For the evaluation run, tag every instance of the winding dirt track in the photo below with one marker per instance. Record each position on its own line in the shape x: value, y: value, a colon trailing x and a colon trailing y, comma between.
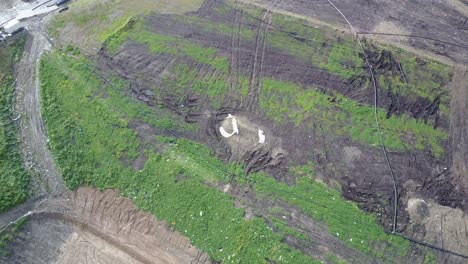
x: 33, y: 137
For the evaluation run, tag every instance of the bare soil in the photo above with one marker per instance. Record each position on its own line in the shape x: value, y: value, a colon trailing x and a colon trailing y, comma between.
x: 442, y: 20
x: 459, y: 124
x: 89, y: 226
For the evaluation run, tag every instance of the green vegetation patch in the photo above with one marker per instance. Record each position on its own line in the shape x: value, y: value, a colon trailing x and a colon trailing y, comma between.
x: 7, y: 235
x: 282, y: 101
x: 88, y: 22
x: 344, y: 219
x: 158, y: 43
x: 14, y: 180
x: 89, y: 136
x: 114, y: 40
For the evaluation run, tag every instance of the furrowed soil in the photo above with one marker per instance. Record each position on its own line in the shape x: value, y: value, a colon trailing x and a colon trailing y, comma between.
x: 444, y: 21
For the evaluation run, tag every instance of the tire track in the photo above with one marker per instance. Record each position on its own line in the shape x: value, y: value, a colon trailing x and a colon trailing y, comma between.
x: 258, y: 59
x: 233, y: 80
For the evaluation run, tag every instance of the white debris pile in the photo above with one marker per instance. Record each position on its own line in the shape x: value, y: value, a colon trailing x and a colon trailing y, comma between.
x: 261, y: 136
x: 235, y: 129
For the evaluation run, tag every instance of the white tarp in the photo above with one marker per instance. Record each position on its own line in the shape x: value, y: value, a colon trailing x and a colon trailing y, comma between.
x: 235, y: 129
x: 261, y: 136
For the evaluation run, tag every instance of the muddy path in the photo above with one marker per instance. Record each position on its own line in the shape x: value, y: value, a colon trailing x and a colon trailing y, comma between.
x: 37, y: 156
x: 459, y: 124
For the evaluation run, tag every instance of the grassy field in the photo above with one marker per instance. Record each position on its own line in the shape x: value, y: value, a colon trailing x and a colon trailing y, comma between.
x: 284, y: 102
x: 14, y: 180
x: 87, y: 121
x: 89, y: 137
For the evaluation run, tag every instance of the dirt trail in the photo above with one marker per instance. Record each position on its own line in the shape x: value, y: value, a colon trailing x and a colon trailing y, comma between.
x: 459, y: 125
x: 33, y: 136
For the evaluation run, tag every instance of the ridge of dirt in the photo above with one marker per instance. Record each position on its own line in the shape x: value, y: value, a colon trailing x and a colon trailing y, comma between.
x: 103, y: 225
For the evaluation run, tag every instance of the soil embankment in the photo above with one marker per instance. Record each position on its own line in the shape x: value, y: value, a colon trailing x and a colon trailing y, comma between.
x: 89, y: 226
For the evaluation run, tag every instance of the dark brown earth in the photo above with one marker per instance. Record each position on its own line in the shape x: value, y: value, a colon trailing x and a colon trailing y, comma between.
x: 359, y: 169
x: 442, y: 20
x: 276, y: 64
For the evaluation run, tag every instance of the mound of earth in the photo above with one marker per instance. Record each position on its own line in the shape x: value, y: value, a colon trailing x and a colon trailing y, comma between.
x: 90, y: 226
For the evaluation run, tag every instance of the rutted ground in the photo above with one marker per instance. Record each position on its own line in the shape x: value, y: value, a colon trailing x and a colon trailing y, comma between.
x: 442, y: 20
x: 192, y: 74
x: 180, y: 63
x: 33, y: 137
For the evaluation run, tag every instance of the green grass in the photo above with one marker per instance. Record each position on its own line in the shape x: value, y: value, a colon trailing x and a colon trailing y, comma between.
x: 158, y: 43
x: 14, y: 180
x: 283, y: 227
x: 430, y: 259
x: 10, y: 52
x: 7, y: 235
x: 89, y: 135
x: 344, y: 219
x: 88, y: 22
x: 136, y: 30
x: 282, y: 102
x: 116, y: 38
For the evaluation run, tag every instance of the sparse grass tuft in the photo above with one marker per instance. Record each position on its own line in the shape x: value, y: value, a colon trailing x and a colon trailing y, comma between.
x: 7, y: 235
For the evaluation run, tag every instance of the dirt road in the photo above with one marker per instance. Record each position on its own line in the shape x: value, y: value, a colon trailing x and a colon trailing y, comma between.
x: 33, y: 136
x: 459, y: 124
